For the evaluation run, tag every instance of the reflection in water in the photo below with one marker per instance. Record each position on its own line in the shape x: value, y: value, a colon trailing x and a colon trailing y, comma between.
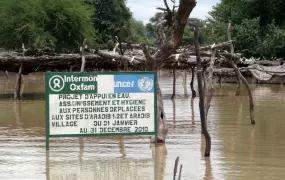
x: 6, y: 85
x: 239, y: 150
x: 81, y: 149
x: 47, y: 166
x: 17, y: 111
x: 159, y: 157
x: 122, y: 147
x: 174, y: 110
x: 152, y: 167
x: 192, y: 111
x: 208, y: 167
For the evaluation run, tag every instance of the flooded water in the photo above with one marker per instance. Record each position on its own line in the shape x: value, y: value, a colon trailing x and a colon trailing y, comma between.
x: 239, y: 150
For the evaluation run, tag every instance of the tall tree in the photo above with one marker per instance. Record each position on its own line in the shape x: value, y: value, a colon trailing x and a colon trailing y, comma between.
x: 256, y: 24
x: 111, y: 18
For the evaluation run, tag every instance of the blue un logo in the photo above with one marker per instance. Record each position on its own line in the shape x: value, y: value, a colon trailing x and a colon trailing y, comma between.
x: 145, y: 84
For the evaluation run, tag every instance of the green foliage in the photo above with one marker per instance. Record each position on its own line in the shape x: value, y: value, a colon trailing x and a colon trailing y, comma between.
x: 258, y: 26
x: 111, y: 18
x: 137, y: 32
x: 188, y: 36
x: 38, y: 23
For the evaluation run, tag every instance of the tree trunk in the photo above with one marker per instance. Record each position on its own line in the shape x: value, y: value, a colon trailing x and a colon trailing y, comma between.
x: 209, y: 84
x: 192, y: 83
x: 201, y: 97
x: 18, y: 83
x: 174, y: 83
x: 161, y: 118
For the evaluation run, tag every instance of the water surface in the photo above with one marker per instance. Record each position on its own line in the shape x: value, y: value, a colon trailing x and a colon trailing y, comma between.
x: 239, y: 150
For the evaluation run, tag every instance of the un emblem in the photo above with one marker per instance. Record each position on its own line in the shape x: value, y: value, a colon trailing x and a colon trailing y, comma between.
x: 145, y: 84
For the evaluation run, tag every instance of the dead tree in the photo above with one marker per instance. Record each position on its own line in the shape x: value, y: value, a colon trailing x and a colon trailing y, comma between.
x: 167, y: 46
x: 232, y: 60
x: 192, y: 82
x: 17, y: 90
x: 174, y: 82
x: 232, y: 52
x: 201, y: 96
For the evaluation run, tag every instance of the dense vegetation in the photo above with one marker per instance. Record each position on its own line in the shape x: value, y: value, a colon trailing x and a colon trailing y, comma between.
x: 258, y: 26
x: 63, y: 24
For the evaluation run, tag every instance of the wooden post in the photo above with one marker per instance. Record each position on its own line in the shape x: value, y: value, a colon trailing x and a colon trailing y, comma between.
x: 174, y: 111
x: 17, y: 90
x: 192, y: 82
x: 83, y: 56
x: 7, y: 74
x: 201, y: 96
x: 126, y: 65
x: 174, y: 83
x: 82, y: 69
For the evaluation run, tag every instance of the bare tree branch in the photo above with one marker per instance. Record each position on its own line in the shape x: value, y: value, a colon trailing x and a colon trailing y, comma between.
x: 180, y: 20
x: 167, y: 7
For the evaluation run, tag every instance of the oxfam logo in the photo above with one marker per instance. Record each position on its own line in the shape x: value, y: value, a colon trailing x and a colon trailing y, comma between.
x: 56, y: 83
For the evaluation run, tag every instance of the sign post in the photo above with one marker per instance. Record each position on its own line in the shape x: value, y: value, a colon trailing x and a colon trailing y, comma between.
x: 100, y: 104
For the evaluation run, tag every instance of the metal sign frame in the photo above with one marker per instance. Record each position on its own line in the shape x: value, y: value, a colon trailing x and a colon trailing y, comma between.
x: 49, y: 75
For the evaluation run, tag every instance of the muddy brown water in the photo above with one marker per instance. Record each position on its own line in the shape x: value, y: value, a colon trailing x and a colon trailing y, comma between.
x: 239, y: 150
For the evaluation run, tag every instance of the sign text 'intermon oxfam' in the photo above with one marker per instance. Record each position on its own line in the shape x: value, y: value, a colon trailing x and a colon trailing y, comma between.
x: 89, y: 104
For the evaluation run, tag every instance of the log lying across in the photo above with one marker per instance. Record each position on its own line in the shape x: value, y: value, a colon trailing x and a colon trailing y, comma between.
x: 102, y: 60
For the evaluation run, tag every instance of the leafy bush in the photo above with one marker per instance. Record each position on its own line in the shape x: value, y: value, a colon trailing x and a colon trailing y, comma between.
x: 41, y: 23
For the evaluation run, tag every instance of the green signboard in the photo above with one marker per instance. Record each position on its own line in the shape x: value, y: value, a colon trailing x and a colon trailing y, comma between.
x: 100, y: 104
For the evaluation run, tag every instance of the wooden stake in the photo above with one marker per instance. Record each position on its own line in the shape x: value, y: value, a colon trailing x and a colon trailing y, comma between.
x: 192, y: 83
x: 7, y: 74
x: 174, y: 83
x: 83, y: 56
x: 17, y: 90
x: 175, y: 168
